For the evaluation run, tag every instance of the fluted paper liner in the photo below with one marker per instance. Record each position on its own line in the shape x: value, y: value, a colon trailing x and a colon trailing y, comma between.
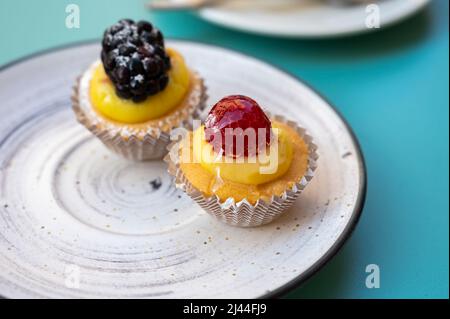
x: 149, y: 142
x: 243, y: 213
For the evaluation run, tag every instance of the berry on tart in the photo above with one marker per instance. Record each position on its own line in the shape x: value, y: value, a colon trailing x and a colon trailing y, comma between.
x: 138, y: 79
x: 138, y: 92
x: 135, y: 60
x: 223, y: 144
x: 238, y: 112
x: 249, y: 174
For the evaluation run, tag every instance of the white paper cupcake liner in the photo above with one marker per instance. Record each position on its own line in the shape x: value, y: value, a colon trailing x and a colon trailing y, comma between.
x: 243, y: 213
x: 148, y: 143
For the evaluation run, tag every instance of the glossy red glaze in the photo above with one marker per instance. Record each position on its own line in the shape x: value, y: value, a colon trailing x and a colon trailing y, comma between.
x: 234, y: 112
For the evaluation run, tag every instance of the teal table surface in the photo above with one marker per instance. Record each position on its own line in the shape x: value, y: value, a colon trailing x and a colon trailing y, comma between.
x: 391, y: 86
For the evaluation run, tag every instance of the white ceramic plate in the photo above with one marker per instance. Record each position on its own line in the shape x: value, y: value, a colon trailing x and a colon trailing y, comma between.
x: 70, y: 209
x: 308, y: 18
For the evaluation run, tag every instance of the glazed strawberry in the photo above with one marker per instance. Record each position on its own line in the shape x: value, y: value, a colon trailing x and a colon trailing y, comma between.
x: 232, y: 112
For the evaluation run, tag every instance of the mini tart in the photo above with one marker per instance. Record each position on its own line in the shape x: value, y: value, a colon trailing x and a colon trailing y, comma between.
x: 248, y: 205
x: 137, y: 141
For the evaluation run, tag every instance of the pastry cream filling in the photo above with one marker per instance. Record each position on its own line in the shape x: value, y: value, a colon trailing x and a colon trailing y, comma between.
x: 105, y: 100
x: 253, y: 170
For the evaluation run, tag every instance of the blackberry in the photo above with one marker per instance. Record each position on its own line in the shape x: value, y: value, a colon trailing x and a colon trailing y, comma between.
x: 135, y: 60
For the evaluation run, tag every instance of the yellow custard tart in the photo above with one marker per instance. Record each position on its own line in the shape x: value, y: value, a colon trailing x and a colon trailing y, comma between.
x: 240, y: 177
x: 138, y: 92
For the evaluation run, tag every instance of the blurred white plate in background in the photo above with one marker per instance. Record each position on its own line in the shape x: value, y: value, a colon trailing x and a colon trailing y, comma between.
x: 308, y: 18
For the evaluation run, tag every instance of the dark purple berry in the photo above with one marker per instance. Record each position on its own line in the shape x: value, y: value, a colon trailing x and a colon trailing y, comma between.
x: 122, y: 74
x: 125, y: 49
x: 136, y: 66
x: 151, y: 66
x: 135, y: 60
x: 153, y: 86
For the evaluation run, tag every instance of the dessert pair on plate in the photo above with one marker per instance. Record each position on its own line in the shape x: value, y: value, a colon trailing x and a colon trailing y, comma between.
x: 242, y: 166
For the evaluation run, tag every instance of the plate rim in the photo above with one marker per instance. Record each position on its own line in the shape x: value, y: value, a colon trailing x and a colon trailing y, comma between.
x: 297, y: 281
x: 205, y: 16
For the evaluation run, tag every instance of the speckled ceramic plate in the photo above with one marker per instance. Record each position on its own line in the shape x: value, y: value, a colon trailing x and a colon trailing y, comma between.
x: 77, y: 221
x: 309, y: 18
